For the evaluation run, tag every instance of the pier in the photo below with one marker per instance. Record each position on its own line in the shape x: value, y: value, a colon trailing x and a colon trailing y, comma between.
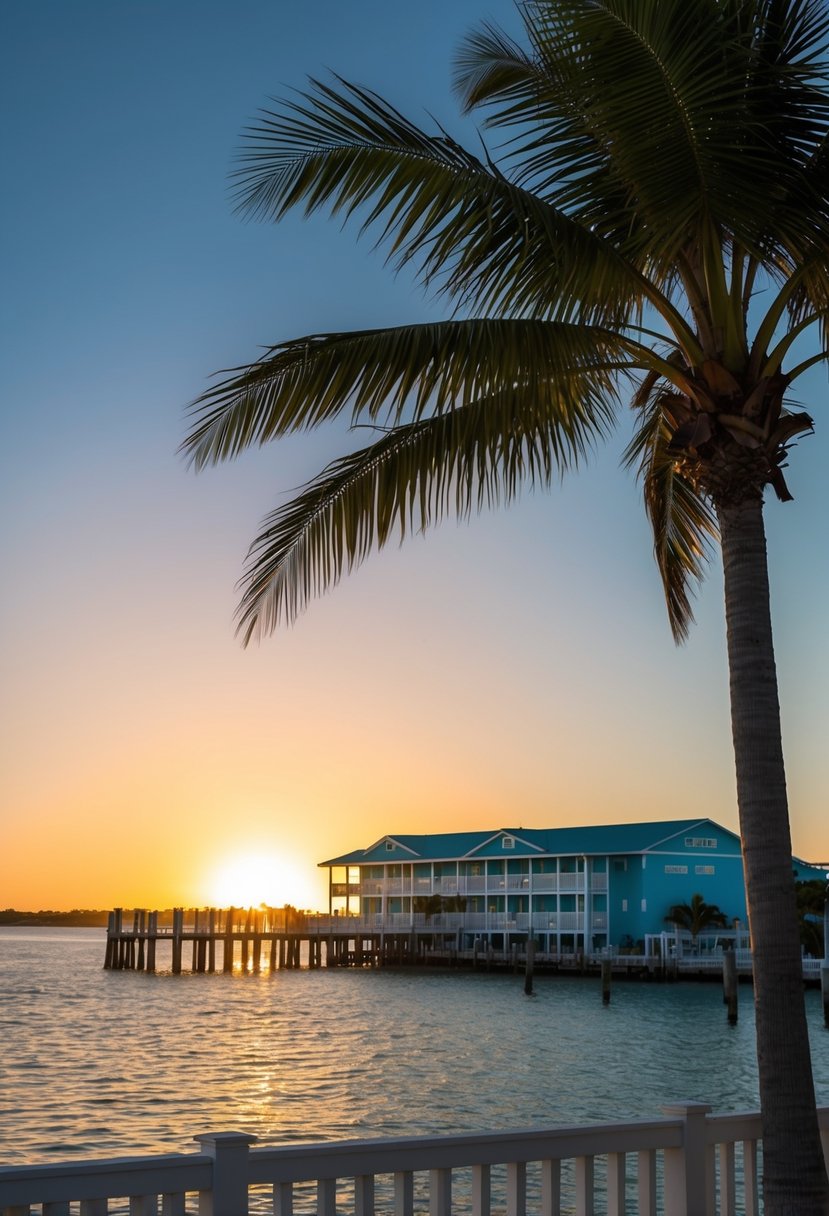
x: 253, y: 940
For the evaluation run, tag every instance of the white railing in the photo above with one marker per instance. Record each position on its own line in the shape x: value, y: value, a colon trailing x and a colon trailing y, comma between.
x: 688, y: 1163
x: 571, y: 881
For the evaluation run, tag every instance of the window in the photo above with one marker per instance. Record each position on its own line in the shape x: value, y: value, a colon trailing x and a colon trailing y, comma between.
x: 679, y: 869
x: 620, y: 864
x: 508, y: 842
x: 389, y: 846
x: 704, y: 870
x: 624, y: 905
x: 700, y: 842
x: 644, y: 905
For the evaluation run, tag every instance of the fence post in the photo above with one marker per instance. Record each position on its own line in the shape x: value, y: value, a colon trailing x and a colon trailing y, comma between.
x: 688, y: 1168
x: 230, y: 1153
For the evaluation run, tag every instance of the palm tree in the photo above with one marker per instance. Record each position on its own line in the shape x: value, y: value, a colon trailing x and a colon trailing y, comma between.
x: 652, y: 228
x: 696, y: 917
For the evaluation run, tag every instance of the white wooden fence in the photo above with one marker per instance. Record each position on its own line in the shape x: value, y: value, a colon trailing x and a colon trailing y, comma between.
x: 688, y: 1163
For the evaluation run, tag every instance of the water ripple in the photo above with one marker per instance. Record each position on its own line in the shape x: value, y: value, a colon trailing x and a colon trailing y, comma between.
x: 328, y: 1054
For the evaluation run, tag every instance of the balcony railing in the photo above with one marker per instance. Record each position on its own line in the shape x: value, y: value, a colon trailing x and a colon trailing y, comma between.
x: 475, y: 884
x: 688, y: 1162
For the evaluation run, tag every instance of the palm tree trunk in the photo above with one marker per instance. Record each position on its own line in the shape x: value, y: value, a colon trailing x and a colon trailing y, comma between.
x: 794, y: 1175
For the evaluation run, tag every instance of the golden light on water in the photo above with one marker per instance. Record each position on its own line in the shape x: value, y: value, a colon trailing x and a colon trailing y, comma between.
x: 254, y: 877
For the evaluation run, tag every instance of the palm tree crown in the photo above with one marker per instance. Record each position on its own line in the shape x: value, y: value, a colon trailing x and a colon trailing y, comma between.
x: 696, y: 916
x: 662, y: 165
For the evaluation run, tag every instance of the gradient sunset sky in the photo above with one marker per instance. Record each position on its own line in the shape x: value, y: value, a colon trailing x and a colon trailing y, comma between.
x: 514, y: 671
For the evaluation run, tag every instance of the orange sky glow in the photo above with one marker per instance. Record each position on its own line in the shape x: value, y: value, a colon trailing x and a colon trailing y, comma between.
x: 514, y: 671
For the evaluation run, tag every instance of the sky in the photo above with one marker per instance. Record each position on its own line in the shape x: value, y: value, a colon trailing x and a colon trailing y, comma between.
x: 516, y: 670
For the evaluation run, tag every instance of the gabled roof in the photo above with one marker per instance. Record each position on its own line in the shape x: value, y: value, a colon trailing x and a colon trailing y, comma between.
x: 617, y: 839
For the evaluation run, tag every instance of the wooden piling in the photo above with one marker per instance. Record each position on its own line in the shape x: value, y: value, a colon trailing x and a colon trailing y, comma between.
x: 110, y: 946
x: 257, y: 942
x: 178, y: 927
x: 195, y: 964
x: 153, y: 934
x: 606, y: 979
x: 211, y: 940
x: 729, y: 974
x: 528, y: 967
x: 227, y: 951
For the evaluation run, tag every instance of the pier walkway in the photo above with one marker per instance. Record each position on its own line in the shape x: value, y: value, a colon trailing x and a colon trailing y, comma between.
x: 267, y: 939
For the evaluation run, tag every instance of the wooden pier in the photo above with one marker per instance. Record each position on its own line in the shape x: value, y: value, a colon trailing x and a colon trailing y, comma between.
x: 232, y: 940
x: 252, y: 940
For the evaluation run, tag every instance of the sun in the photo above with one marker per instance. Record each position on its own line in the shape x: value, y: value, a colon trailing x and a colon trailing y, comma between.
x: 246, y: 880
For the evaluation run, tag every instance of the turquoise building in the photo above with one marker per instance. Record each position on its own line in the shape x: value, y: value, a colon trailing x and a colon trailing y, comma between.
x: 573, y: 889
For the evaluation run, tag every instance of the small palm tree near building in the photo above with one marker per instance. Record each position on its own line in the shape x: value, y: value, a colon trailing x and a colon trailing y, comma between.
x: 697, y: 916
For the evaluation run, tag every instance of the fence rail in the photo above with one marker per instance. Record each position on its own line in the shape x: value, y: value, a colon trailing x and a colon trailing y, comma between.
x: 688, y: 1163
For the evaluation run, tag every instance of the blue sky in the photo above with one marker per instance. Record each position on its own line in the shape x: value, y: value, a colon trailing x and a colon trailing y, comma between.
x: 516, y: 670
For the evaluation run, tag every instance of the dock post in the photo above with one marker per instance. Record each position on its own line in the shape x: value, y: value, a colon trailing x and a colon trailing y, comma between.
x: 110, y: 942
x: 152, y: 930
x: 178, y: 925
x: 528, y: 968
x: 196, y: 926
x: 118, y: 943
x: 729, y: 977
x: 257, y: 943
x: 211, y: 941
x: 606, y: 979
x: 227, y: 950
x: 142, y: 930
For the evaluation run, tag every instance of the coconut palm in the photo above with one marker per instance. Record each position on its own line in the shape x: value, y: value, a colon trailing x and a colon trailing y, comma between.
x: 651, y: 228
x: 696, y: 917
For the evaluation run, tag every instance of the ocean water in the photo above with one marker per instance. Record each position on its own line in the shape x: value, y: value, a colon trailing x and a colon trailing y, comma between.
x: 101, y: 1063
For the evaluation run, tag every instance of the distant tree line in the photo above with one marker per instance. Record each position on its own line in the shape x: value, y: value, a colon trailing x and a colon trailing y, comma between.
x: 84, y: 917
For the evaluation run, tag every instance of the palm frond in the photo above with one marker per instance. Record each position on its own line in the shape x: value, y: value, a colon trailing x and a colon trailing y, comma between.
x: 390, y: 375
x: 683, y: 522
x: 646, y: 119
x: 466, y: 227
x: 473, y: 457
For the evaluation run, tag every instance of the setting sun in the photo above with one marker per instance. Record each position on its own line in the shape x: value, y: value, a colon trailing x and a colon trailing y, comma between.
x: 246, y: 880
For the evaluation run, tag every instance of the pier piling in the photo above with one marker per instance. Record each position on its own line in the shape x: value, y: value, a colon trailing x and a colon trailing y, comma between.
x: 729, y: 975
x: 606, y: 978
x: 528, y: 967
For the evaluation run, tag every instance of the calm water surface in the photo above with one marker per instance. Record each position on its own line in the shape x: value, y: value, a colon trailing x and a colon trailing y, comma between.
x: 97, y: 1063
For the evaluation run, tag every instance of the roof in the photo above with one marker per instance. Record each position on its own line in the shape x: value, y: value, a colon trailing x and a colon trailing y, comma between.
x: 611, y: 839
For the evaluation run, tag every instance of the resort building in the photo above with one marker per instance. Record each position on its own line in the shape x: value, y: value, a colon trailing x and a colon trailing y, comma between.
x: 572, y: 889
